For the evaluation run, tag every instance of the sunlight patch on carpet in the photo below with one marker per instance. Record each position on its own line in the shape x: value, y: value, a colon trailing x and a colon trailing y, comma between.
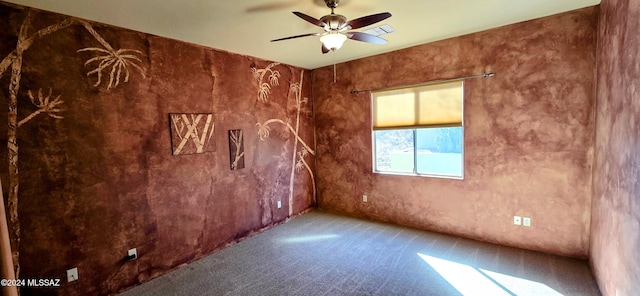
x: 520, y: 286
x: 471, y: 281
x: 309, y: 238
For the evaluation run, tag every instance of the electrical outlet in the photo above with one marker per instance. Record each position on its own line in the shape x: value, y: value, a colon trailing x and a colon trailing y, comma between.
x: 364, y: 198
x: 517, y: 220
x: 72, y: 274
x: 526, y: 221
x: 133, y: 254
x: 279, y: 204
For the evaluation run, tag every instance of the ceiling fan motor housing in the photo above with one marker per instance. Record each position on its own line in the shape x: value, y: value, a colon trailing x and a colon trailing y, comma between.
x: 334, y: 22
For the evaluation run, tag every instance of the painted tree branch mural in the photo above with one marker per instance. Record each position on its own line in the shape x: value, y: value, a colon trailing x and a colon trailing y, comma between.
x: 298, y: 156
x: 45, y: 105
x: 119, y: 61
x: 265, y: 88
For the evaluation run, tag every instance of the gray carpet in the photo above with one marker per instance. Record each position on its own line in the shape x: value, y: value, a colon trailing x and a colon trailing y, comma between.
x: 326, y: 254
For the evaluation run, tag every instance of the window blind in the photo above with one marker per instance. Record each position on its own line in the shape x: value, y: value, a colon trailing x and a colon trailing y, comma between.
x: 433, y: 105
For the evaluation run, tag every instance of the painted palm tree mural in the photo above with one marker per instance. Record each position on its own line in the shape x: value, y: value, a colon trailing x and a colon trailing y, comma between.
x: 300, y: 147
x: 111, y: 66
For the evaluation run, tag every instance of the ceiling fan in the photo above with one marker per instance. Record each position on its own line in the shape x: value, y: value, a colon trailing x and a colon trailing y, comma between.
x: 337, y: 28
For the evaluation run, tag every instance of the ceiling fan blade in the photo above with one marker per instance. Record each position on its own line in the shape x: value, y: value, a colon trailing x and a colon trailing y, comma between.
x: 367, y: 20
x: 324, y: 49
x: 297, y: 36
x: 310, y: 19
x: 364, y: 37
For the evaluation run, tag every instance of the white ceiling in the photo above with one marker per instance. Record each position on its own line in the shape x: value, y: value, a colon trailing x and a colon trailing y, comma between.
x: 247, y: 26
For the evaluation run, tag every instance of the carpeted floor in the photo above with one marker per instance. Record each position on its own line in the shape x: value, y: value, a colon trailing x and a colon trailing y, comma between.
x: 327, y: 254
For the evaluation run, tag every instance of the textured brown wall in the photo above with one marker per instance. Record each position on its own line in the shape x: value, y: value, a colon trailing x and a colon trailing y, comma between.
x: 528, y: 135
x: 615, y: 226
x: 103, y: 179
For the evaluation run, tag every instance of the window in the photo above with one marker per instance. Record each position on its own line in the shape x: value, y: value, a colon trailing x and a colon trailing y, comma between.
x: 419, y: 130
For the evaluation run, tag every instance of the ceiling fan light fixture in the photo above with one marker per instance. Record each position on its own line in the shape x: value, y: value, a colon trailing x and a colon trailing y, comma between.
x: 337, y: 29
x: 333, y: 40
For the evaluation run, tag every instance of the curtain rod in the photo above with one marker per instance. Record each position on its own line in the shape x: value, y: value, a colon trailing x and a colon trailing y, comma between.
x: 483, y: 75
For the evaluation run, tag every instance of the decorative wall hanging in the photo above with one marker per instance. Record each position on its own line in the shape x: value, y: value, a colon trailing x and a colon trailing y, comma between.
x: 236, y: 149
x: 191, y: 133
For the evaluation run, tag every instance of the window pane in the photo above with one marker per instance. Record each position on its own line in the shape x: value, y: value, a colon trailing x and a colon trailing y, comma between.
x: 440, y: 151
x: 394, y: 150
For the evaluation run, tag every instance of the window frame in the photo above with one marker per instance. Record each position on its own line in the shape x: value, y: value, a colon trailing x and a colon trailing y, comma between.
x: 414, y: 129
